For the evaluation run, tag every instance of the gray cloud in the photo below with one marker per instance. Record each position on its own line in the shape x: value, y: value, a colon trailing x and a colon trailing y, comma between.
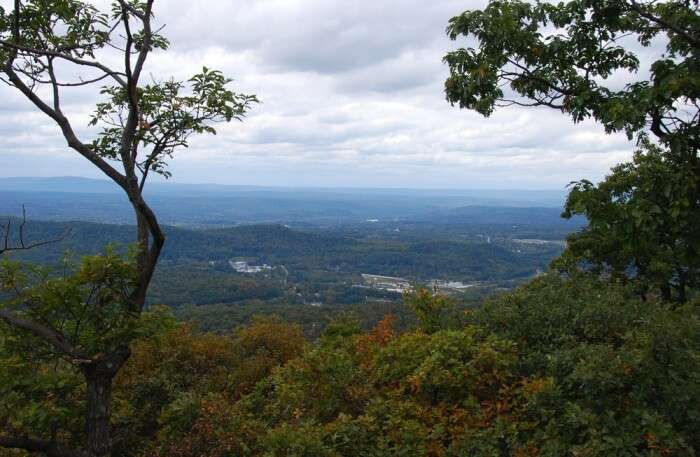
x: 352, y: 96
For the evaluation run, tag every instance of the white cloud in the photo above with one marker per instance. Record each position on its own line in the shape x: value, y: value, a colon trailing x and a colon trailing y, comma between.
x: 352, y: 95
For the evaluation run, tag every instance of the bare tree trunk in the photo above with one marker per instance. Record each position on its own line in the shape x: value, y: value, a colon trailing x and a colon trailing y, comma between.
x: 682, y: 281
x: 666, y: 292
x: 98, y: 442
x: 98, y: 378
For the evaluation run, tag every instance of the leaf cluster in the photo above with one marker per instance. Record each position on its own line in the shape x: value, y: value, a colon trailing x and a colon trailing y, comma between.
x: 170, y: 113
x: 87, y: 306
x: 642, y: 225
x: 562, y: 56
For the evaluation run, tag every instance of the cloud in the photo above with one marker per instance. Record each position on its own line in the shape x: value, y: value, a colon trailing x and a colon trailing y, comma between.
x: 352, y: 96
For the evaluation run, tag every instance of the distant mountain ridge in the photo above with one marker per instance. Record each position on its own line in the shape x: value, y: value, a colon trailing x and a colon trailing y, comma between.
x: 68, y: 184
x: 210, y: 205
x: 504, y: 215
x: 486, y: 197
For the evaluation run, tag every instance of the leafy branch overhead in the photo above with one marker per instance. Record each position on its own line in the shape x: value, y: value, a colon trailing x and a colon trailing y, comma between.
x: 561, y: 56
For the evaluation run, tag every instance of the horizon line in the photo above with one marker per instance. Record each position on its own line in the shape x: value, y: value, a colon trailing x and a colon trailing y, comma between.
x: 287, y: 187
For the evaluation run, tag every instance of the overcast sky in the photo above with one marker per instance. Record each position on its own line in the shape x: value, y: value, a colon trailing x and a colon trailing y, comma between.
x: 352, y: 96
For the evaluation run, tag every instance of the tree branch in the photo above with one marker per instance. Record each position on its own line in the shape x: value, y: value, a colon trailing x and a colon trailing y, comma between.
x: 49, y: 448
x: 82, y: 82
x: 133, y: 76
x: 117, y: 76
x: 7, y: 246
x: 130, y: 9
x: 66, y: 128
x: 54, y: 86
x: 47, y: 334
x: 685, y: 34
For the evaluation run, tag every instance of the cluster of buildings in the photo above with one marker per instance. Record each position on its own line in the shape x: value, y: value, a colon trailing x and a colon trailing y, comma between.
x: 241, y: 266
x: 401, y: 285
x: 389, y: 283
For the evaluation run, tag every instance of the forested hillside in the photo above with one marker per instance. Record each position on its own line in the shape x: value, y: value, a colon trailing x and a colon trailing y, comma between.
x: 461, y: 252
x: 320, y: 266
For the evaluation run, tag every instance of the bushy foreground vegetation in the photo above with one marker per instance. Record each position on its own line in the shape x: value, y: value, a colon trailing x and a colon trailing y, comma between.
x: 561, y: 366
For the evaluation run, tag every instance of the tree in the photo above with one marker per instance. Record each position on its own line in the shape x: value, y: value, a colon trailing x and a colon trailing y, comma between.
x: 562, y: 56
x: 140, y: 127
x: 620, y: 369
x: 642, y: 225
x: 434, y: 311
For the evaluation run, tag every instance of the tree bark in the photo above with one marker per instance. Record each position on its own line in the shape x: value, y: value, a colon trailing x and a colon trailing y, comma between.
x: 97, y: 423
x: 682, y: 281
x: 666, y: 292
x: 98, y: 378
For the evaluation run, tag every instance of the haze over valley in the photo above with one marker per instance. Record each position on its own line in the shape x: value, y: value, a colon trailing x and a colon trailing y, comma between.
x: 319, y: 247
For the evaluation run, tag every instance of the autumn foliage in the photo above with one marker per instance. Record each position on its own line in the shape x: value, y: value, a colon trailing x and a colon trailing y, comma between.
x: 561, y: 366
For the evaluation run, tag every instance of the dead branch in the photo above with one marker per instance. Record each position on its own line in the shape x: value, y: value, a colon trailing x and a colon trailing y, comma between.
x: 21, y: 244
